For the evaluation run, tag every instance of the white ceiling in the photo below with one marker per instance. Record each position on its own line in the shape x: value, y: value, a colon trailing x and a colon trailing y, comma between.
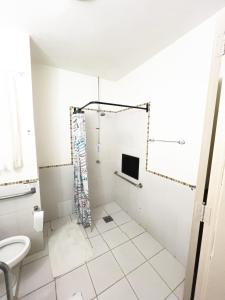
x: 108, y: 38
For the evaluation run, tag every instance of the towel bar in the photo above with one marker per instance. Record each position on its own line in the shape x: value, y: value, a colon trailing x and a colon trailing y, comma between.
x: 180, y: 142
x: 32, y: 191
x: 138, y: 185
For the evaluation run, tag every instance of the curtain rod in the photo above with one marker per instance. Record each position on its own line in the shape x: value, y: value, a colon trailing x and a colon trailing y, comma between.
x: 112, y: 104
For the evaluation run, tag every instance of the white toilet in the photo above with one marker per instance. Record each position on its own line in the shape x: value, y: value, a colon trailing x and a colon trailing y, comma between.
x: 12, y: 252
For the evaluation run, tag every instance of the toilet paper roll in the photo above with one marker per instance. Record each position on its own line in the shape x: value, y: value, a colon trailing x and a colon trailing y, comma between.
x: 38, y: 220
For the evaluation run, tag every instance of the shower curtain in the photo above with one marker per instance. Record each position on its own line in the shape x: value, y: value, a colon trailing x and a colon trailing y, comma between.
x: 82, y: 204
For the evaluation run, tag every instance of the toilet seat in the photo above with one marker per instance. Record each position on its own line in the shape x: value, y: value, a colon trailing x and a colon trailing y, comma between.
x: 14, y: 249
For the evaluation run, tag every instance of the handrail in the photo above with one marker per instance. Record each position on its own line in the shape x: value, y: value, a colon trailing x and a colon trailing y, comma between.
x: 138, y: 185
x: 181, y: 142
x: 8, y: 286
x: 32, y: 191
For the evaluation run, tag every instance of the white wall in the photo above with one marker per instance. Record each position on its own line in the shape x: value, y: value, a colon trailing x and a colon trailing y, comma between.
x: 176, y: 83
x: 55, y: 90
x: 16, y: 216
x: 15, y: 59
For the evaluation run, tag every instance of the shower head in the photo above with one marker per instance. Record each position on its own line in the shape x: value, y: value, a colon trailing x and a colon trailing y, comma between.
x: 102, y: 114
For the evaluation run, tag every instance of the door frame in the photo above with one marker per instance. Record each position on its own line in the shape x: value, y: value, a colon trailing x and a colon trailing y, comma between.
x: 194, y: 273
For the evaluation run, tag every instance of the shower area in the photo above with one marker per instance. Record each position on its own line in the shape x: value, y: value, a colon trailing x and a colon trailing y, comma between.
x: 114, y: 234
x: 117, y: 167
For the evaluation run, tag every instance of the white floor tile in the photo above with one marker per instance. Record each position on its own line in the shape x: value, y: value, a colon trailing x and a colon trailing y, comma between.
x: 98, y: 213
x: 128, y: 257
x: 34, y: 275
x: 111, y: 207
x: 179, y: 291
x: 171, y: 297
x: 99, y: 246
x: 75, y: 281
x: 119, y: 291
x: 147, y: 245
x: 114, y: 237
x: 104, y: 272
x: 45, y: 293
x: 102, y: 226
x: 91, y: 231
x: 169, y: 268
x: 132, y: 229
x: 147, y: 284
x: 121, y: 217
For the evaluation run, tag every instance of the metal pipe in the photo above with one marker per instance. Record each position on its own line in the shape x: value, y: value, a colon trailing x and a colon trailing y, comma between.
x: 32, y: 191
x: 115, y: 104
x: 138, y: 185
x: 181, y: 142
x: 8, y: 286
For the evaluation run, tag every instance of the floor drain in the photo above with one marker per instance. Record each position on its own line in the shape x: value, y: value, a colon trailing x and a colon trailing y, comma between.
x: 108, y: 219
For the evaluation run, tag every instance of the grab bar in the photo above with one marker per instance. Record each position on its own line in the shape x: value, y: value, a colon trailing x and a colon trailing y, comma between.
x: 8, y: 286
x: 138, y: 185
x: 32, y: 191
x: 181, y: 142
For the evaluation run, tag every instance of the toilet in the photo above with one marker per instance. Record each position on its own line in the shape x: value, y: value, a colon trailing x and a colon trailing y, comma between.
x: 12, y: 252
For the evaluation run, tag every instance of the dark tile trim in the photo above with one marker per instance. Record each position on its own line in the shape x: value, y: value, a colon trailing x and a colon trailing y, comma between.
x: 55, y: 166
x: 173, y: 179
x: 26, y: 181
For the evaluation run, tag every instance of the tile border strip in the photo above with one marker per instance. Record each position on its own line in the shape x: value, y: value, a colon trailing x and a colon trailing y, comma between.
x: 192, y: 187
x: 55, y: 166
x: 26, y: 181
x: 147, y: 143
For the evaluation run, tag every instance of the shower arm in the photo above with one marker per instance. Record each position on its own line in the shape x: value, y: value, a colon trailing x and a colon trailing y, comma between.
x: 146, y: 108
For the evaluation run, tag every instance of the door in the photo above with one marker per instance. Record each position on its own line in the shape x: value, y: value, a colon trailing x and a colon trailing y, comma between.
x: 209, y: 175
x: 211, y: 274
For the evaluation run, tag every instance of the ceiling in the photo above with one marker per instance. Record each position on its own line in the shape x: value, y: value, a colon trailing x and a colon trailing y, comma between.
x: 107, y: 38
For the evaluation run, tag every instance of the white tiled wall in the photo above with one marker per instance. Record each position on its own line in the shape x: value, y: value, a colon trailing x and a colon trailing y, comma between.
x: 16, y: 216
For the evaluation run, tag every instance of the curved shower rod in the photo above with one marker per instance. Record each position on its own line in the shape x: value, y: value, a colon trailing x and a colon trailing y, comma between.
x: 146, y: 108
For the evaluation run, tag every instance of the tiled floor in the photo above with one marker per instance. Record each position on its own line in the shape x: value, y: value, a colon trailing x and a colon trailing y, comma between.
x: 128, y: 264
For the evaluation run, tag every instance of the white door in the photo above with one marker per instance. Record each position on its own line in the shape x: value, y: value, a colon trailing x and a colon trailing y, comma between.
x: 202, y: 276
x: 211, y: 274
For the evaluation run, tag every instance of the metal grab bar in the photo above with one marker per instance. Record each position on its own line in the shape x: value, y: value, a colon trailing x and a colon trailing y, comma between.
x: 32, y: 191
x: 8, y: 286
x: 181, y: 142
x: 138, y: 185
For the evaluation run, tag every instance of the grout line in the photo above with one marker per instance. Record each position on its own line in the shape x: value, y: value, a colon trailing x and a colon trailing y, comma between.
x: 160, y: 276
x: 91, y: 279
x: 44, y: 285
x: 177, y: 287
x: 36, y: 259
x: 111, y: 285
x: 124, y: 274
x: 100, y: 234
x: 56, y: 296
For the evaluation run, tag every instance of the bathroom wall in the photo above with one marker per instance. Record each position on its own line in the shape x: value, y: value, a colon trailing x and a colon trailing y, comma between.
x: 175, y: 81
x: 15, y: 61
x: 16, y: 216
x: 55, y: 90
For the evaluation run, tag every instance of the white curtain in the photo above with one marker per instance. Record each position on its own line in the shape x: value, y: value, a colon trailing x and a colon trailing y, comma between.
x: 10, y: 134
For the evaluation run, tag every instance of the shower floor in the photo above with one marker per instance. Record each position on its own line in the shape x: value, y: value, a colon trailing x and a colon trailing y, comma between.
x: 128, y: 264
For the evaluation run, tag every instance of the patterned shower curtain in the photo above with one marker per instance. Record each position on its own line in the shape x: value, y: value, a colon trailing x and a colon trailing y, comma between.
x: 82, y: 204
